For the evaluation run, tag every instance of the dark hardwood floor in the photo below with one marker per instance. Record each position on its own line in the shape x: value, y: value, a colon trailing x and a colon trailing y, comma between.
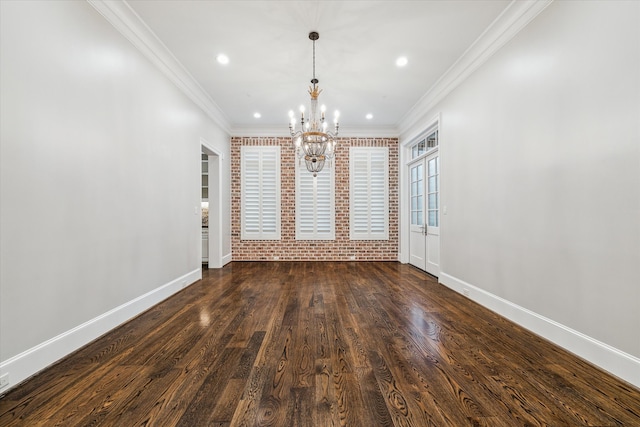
x: 320, y: 344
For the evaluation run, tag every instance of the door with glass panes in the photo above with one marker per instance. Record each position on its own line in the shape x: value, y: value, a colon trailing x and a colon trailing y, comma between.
x: 424, y: 245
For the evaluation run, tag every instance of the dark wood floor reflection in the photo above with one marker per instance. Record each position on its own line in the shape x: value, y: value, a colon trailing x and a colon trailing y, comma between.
x: 320, y: 344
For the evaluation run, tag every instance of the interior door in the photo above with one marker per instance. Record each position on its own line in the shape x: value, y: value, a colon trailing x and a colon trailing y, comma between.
x: 424, y: 245
x: 417, y: 238
x: 432, y: 227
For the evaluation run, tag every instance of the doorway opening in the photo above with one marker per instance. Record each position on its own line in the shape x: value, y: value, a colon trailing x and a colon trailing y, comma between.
x: 211, y: 205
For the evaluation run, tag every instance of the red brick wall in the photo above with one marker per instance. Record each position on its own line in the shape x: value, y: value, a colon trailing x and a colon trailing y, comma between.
x: 288, y: 248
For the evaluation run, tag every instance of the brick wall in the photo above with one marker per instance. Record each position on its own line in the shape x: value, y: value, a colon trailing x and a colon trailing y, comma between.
x: 288, y: 248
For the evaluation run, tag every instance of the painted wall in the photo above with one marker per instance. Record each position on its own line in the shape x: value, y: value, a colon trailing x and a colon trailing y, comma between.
x: 288, y: 248
x: 100, y: 173
x: 541, y: 172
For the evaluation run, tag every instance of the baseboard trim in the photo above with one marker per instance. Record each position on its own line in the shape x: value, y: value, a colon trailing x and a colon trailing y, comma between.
x: 617, y: 362
x: 32, y: 361
x: 226, y: 259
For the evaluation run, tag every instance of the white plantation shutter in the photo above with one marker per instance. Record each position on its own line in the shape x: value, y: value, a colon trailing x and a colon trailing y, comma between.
x: 315, y: 208
x: 260, y: 192
x: 369, y: 193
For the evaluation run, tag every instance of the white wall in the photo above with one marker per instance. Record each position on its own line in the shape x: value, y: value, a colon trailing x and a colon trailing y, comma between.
x: 541, y: 177
x: 100, y: 178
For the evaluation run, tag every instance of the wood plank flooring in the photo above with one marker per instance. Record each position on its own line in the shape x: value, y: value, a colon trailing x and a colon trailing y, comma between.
x: 320, y: 344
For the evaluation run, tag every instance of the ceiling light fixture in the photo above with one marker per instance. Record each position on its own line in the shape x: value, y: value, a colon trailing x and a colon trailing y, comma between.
x: 314, y: 142
x: 257, y: 115
x: 222, y: 59
x: 369, y: 116
x: 402, y: 61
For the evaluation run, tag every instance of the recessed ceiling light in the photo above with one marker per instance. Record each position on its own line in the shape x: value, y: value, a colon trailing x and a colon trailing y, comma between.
x: 369, y: 116
x: 257, y: 115
x: 402, y: 61
x: 222, y: 59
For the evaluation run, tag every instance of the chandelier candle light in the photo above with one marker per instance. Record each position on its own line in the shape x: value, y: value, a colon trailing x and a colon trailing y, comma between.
x: 313, y: 142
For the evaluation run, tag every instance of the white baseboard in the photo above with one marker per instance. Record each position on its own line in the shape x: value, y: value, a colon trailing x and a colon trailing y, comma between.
x: 617, y: 362
x: 30, y: 362
x: 226, y: 259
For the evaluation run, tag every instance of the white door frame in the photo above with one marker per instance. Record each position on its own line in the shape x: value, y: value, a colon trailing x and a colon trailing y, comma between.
x: 215, y: 205
x: 407, y: 140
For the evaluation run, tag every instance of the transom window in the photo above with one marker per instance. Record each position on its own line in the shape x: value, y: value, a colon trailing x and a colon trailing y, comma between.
x: 425, y: 144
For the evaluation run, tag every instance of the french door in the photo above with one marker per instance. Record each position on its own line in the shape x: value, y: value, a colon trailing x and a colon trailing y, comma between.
x: 424, y: 238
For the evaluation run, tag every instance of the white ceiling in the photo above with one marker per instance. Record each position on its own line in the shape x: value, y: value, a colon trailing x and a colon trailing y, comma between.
x: 271, y: 55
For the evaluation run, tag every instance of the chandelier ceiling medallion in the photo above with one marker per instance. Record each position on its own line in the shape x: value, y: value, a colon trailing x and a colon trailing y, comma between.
x: 313, y: 141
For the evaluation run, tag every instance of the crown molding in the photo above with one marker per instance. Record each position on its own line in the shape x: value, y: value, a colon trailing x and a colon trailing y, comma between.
x: 133, y: 28
x: 513, y: 19
x: 345, y: 132
x: 510, y: 22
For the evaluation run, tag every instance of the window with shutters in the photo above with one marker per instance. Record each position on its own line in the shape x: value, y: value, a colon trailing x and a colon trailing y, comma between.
x: 260, y: 169
x: 369, y: 193
x: 315, y: 208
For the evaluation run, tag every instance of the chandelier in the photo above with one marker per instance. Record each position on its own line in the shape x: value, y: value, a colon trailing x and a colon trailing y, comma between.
x: 313, y: 141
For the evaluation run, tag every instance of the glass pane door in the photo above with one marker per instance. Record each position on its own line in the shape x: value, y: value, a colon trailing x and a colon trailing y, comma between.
x: 417, y: 194
x: 433, y: 174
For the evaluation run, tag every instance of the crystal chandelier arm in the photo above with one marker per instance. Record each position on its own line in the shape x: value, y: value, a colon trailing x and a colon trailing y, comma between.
x: 292, y: 121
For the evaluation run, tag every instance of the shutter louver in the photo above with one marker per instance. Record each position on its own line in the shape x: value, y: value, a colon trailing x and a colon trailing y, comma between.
x: 260, y: 193
x: 315, y: 216
x: 369, y: 216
